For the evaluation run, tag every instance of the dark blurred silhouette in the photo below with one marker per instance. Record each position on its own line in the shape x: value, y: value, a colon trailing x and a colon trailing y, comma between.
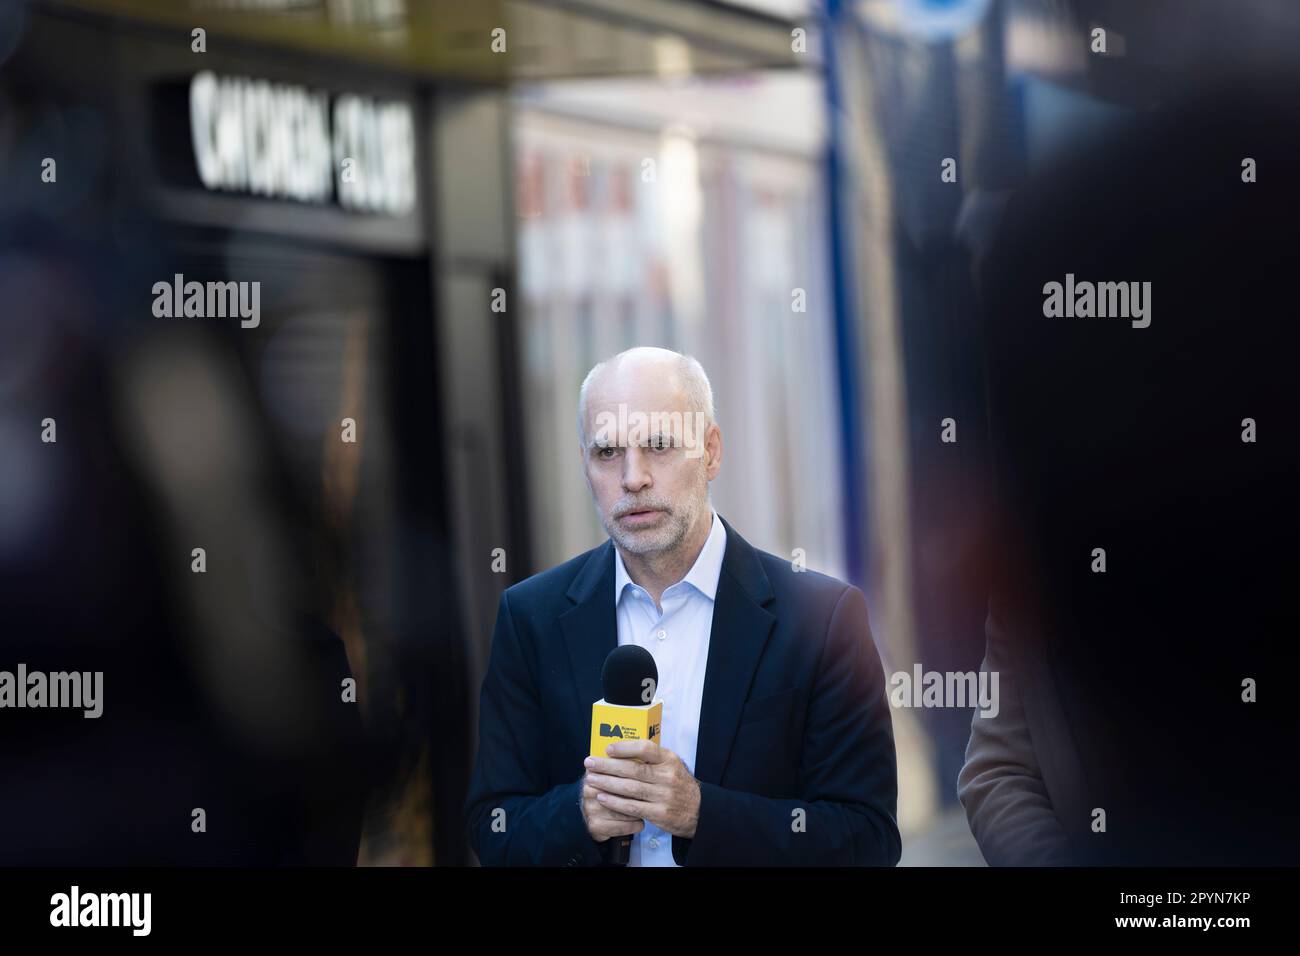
x: 1130, y: 439
x: 221, y: 690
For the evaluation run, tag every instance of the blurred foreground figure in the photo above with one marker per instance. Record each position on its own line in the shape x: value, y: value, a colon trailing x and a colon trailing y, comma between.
x: 222, y: 738
x: 1144, y: 442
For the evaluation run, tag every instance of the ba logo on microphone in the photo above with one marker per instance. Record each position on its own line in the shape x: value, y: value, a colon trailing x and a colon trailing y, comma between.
x: 654, y: 731
x: 612, y: 730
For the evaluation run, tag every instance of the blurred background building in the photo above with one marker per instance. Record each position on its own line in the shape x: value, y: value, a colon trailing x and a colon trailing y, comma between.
x: 538, y: 184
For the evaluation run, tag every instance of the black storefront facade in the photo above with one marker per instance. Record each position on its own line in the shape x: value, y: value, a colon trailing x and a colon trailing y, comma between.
x: 315, y: 179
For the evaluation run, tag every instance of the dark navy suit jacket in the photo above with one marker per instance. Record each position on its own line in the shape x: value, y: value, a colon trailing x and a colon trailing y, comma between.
x: 794, y: 717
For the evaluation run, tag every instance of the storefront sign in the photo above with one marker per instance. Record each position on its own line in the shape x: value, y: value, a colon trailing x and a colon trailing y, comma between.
x: 285, y: 141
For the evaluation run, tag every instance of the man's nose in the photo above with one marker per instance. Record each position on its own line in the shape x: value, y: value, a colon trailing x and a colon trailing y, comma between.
x: 636, y: 469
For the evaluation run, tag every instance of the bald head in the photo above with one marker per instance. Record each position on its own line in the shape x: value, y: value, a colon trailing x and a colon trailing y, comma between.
x: 646, y: 377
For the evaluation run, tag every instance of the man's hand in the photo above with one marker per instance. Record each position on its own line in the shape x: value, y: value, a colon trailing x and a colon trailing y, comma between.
x: 602, y: 822
x: 643, y: 780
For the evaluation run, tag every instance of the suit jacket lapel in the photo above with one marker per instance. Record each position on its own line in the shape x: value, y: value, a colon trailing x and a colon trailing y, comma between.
x: 741, y: 626
x: 590, y: 627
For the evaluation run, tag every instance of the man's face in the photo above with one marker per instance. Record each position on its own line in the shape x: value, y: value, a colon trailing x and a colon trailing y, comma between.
x: 648, y: 458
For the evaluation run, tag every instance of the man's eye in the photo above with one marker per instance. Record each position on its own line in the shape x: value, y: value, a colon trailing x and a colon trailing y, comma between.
x: 606, y: 453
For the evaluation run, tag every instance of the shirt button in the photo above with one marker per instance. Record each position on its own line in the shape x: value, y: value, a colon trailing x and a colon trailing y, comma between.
x: 661, y: 633
x: 654, y: 843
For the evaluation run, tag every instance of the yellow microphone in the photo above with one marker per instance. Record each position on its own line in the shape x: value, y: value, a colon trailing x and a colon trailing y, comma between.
x: 628, y: 711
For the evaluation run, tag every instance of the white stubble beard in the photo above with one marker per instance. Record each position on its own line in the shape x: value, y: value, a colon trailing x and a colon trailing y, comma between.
x: 659, y: 540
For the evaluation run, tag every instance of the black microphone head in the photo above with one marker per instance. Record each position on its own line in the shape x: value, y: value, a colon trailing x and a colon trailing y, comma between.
x: 629, y: 676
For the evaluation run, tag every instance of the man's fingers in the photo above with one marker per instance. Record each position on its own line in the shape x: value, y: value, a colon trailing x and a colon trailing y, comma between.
x: 619, y: 767
x: 646, y: 750
x: 619, y: 786
x: 619, y: 828
x: 602, y: 822
x: 635, y: 808
x: 594, y: 806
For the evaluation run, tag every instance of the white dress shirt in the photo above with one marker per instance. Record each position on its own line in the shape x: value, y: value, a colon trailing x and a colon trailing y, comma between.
x: 678, y: 639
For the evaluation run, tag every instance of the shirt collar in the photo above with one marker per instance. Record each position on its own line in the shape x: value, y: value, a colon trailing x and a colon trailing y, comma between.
x: 704, y: 573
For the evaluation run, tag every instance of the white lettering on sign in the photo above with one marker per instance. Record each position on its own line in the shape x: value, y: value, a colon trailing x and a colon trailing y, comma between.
x: 380, y: 138
x: 284, y: 142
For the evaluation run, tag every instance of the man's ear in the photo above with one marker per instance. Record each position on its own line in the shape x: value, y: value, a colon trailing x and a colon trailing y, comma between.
x: 713, y: 448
